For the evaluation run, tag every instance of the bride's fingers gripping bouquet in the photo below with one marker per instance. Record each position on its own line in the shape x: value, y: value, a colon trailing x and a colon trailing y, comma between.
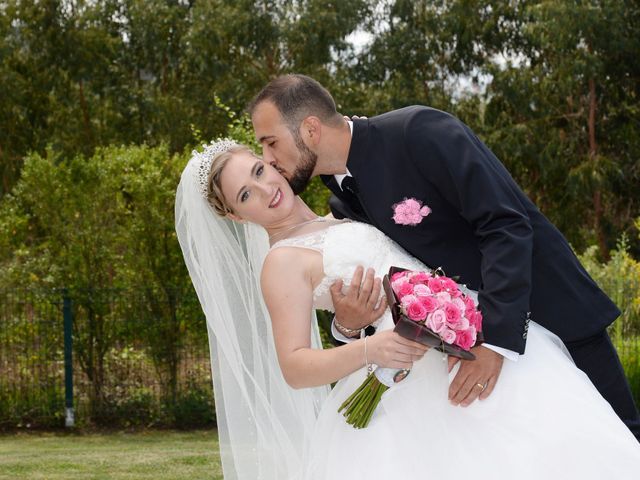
x: 393, y: 350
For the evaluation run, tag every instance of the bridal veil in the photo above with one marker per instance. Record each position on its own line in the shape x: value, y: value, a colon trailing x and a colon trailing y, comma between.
x: 263, y: 424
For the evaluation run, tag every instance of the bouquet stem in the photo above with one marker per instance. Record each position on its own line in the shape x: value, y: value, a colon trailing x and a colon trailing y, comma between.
x: 359, y: 407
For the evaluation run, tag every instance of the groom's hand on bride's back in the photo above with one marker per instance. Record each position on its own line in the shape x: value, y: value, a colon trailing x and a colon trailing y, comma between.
x: 360, y: 304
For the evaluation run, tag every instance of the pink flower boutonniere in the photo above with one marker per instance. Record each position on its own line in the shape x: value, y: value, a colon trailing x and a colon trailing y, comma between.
x: 409, y: 212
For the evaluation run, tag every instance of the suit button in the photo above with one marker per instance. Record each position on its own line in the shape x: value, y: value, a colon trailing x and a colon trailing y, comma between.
x: 524, y: 335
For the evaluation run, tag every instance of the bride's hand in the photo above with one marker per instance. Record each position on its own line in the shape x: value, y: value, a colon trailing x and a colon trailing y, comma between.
x: 388, y: 349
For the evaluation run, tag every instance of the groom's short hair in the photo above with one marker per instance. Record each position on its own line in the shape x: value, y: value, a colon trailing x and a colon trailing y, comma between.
x: 296, y: 97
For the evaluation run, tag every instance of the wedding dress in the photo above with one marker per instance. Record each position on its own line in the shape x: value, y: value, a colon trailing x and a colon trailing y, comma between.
x: 544, y: 419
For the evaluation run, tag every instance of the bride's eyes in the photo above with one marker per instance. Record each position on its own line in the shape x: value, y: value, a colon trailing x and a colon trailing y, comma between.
x: 259, y: 172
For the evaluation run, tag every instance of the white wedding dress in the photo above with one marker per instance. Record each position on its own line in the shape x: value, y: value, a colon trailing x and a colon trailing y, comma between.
x: 544, y: 420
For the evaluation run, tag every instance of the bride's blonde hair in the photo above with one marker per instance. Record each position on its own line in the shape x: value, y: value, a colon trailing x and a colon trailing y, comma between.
x: 214, y: 189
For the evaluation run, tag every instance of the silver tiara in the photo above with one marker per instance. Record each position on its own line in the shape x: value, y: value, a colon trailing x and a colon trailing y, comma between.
x: 204, y: 159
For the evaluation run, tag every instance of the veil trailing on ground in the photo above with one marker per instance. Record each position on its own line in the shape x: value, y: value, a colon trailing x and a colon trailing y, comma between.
x: 263, y: 424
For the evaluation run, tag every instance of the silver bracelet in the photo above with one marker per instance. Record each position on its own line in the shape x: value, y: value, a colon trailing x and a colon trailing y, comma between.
x: 366, y: 359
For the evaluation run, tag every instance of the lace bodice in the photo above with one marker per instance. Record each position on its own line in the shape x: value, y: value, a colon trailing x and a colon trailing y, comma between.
x: 344, y: 247
x: 312, y: 241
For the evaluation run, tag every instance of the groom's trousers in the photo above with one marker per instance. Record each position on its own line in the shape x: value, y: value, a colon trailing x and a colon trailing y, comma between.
x: 597, y: 357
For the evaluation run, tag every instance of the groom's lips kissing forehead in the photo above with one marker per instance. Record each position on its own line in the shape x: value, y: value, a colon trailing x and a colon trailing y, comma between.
x: 277, y: 198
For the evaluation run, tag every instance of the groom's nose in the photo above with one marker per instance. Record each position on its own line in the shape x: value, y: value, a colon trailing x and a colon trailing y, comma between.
x: 267, y: 156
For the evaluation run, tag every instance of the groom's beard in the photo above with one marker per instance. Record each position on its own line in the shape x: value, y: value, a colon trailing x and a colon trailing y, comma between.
x: 306, y: 164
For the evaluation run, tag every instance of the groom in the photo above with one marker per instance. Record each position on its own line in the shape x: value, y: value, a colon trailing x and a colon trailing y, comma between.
x: 479, y: 226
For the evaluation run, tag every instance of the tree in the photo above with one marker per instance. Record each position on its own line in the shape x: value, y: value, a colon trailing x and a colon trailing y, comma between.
x: 565, y: 117
x: 80, y: 75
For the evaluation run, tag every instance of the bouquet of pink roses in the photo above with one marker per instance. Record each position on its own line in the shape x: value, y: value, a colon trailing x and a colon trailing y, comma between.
x: 437, y: 303
x: 428, y: 308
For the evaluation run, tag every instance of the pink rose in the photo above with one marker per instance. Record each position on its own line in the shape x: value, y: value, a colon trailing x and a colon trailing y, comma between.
x: 469, y: 303
x: 429, y: 303
x: 448, y: 336
x: 420, y: 277
x: 476, y: 320
x: 424, y: 211
x: 398, y: 276
x: 453, y: 313
x: 448, y: 284
x: 421, y: 290
x: 435, y: 285
x: 461, y: 324
x: 405, y: 289
x: 408, y: 300
x: 465, y: 339
x: 437, y: 321
x: 459, y: 303
x: 442, y: 298
x: 417, y: 312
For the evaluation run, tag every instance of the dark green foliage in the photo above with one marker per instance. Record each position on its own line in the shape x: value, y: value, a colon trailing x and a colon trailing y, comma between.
x: 194, y: 408
x: 560, y: 106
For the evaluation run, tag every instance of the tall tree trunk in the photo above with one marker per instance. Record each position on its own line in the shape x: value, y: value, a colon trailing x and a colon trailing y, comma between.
x: 593, y: 151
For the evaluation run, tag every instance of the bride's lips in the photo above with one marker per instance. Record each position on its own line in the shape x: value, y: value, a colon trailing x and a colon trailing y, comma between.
x: 277, y: 198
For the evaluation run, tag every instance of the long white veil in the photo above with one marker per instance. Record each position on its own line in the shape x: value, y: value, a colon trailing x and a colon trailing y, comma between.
x: 263, y: 424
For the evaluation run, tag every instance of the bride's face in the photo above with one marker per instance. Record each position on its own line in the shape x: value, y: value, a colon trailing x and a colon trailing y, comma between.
x: 255, y: 190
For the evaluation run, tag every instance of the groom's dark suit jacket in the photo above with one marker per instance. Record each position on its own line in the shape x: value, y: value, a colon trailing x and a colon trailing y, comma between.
x: 482, y: 227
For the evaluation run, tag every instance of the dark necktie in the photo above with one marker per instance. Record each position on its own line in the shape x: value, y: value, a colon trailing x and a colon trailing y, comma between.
x: 350, y: 195
x: 349, y: 185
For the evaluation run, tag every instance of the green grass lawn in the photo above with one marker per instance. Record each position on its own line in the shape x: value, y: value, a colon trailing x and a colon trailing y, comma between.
x: 154, y: 455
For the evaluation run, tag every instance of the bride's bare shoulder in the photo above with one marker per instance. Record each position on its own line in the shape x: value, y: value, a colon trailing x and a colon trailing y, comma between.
x: 287, y: 263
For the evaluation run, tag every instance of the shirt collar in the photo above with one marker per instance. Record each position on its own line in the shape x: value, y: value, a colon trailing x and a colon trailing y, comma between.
x: 340, y: 177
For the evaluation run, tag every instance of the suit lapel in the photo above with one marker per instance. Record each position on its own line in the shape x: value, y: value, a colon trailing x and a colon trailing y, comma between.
x: 344, y: 202
x: 359, y: 164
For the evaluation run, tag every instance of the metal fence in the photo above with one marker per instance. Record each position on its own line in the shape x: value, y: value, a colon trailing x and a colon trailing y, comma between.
x: 131, y: 359
x: 136, y: 358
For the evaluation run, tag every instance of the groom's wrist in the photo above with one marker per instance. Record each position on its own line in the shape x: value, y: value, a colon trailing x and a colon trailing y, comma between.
x: 347, y: 332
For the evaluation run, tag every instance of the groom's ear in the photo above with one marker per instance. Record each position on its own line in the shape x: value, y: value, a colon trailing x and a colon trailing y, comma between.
x: 310, y: 129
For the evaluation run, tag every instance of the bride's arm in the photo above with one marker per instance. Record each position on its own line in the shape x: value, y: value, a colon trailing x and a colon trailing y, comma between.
x: 288, y: 293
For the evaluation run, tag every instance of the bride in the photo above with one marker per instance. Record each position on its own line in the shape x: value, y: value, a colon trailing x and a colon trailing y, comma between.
x: 277, y: 417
